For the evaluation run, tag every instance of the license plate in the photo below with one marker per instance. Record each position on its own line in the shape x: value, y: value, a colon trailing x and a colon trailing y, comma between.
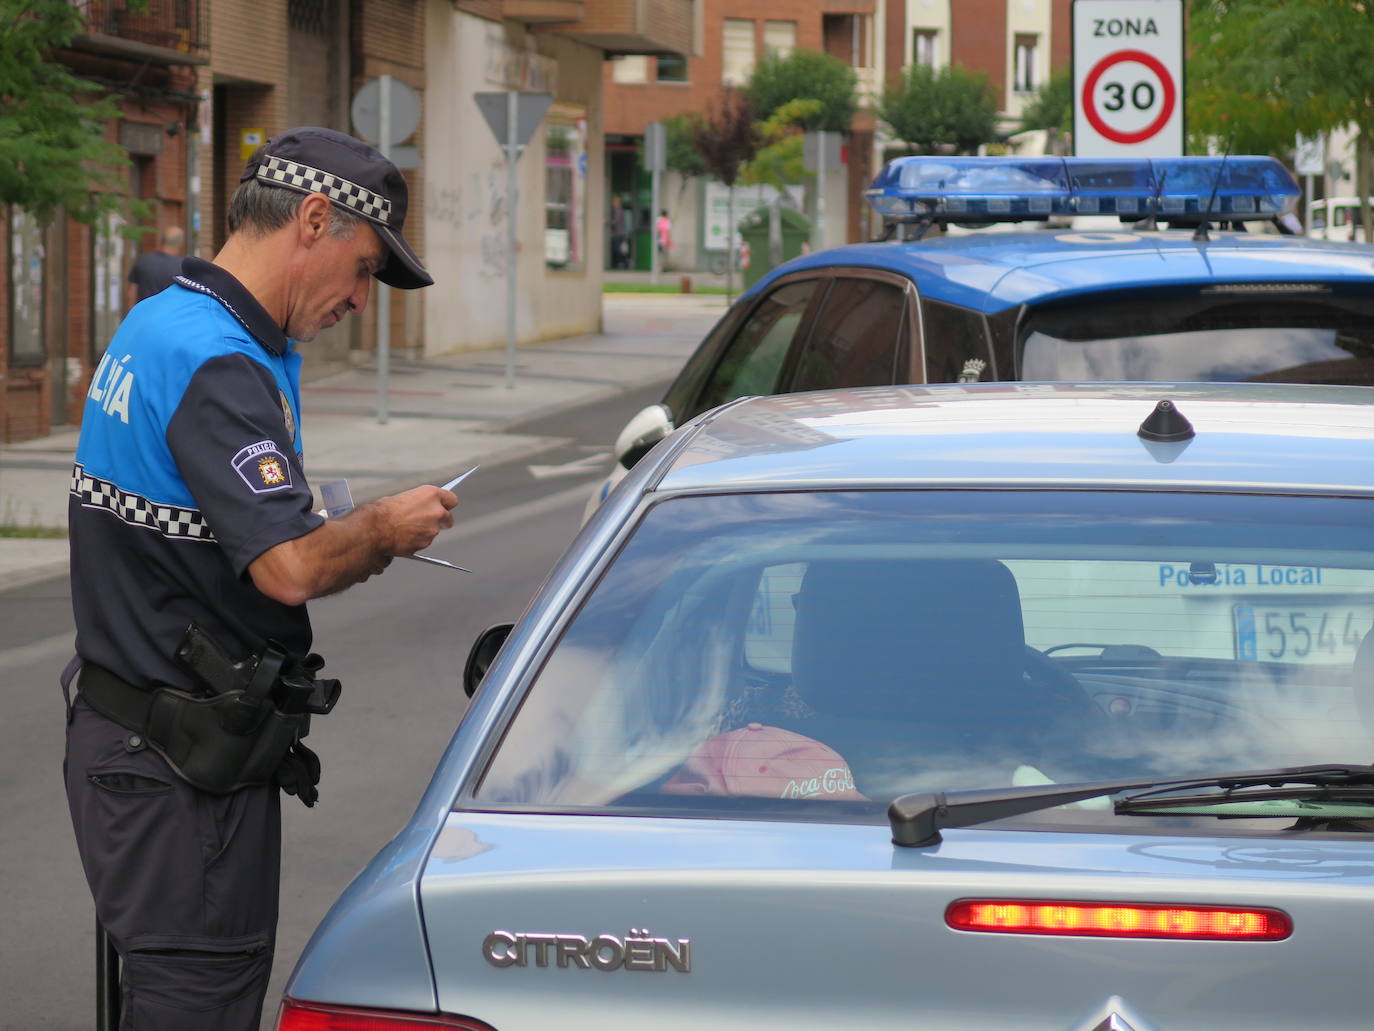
x: 1299, y: 632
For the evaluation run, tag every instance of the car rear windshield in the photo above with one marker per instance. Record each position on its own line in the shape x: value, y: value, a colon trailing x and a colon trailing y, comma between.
x: 803, y: 655
x: 1245, y: 332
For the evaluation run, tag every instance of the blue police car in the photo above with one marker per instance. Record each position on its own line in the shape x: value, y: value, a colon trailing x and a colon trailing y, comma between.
x: 1197, y: 277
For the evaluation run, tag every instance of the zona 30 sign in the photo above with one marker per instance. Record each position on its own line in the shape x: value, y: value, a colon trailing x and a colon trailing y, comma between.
x: 1128, y: 78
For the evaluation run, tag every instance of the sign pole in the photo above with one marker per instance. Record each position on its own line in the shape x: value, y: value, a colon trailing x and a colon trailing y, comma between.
x: 512, y: 117
x: 512, y: 186
x: 822, y: 142
x: 656, y: 258
x: 655, y: 161
x: 383, y: 291
x: 1310, y: 158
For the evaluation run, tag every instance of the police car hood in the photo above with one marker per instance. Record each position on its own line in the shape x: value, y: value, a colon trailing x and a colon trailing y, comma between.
x: 990, y: 271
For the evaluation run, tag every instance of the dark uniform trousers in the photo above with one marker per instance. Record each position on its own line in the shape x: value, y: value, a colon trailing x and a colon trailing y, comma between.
x: 184, y: 882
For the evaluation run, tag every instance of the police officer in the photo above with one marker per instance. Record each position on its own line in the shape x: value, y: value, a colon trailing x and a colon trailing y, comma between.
x: 190, y: 511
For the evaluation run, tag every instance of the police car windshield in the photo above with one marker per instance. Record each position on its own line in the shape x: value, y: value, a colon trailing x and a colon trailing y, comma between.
x: 1219, y: 334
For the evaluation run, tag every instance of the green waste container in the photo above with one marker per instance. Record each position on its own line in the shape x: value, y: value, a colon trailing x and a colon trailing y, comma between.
x: 644, y: 249
x: 753, y: 230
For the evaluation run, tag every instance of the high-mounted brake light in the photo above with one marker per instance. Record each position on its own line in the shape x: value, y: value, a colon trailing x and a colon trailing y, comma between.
x: 310, y: 1016
x: 968, y: 189
x: 1118, y: 920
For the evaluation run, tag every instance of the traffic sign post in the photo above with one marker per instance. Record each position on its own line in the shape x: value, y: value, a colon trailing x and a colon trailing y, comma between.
x: 821, y: 153
x: 1309, y: 160
x: 385, y: 111
x: 656, y: 162
x: 513, y: 117
x: 1128, y: 78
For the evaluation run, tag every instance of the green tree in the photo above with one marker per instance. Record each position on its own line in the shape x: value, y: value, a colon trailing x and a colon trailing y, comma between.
x: 1231, y: 87
x: 1052, y: 105
x: 806, y: 75
x: 1261, y: 70
x: 932, y: 110
x: 779, y: 160
x: 727, y: 139
x: 680, y: 143
x: 53, y: 154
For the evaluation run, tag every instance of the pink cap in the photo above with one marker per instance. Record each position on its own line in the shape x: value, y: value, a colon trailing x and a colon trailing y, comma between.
x: 768, y: 762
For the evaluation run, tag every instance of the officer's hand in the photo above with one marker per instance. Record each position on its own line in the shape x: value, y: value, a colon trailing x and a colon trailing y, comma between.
x: 414, y: 518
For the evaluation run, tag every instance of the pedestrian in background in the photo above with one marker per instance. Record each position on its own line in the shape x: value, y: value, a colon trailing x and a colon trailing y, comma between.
x: 620, y: 233
x: 153, y: 271
x: 663, y: 233
x: 194, y: 548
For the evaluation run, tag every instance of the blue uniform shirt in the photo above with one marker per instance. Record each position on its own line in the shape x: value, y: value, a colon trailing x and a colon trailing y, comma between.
x: 188, y: 468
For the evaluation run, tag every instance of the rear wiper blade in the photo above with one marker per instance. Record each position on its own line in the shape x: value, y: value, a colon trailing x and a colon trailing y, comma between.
x: 916, y: 819
x: 1166, y: 801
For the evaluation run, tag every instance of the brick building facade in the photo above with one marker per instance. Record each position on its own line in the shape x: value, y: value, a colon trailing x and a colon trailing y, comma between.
x: 63, y: 291
x: 1017, y: 44
x: 200, y: 82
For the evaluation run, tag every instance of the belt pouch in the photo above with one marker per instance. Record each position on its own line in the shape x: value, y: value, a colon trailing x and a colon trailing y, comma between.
x: 188, y: 732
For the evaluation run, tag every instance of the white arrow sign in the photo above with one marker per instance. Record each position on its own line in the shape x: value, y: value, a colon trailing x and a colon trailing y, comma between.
x: 586, y: 464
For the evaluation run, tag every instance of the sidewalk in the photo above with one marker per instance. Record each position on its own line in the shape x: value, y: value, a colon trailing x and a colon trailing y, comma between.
x: 443, y: 414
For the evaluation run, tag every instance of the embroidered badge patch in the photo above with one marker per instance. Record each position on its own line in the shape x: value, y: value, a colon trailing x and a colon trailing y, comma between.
x: 263, y: 467
x: 286, y: 415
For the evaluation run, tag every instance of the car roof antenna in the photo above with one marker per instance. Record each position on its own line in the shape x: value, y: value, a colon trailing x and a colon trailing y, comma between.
x: 1151, y: 221
x: 1200, y: 234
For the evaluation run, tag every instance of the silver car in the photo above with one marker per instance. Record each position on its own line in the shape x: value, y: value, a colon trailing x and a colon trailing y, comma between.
x: 957, y: 706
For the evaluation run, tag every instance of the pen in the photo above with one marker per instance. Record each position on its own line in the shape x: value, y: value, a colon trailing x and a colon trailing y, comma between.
x: 437, y: 562
x: 459, y: 479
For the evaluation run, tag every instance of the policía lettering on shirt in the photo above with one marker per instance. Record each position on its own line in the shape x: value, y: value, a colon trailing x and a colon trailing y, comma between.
x: 112, y: 385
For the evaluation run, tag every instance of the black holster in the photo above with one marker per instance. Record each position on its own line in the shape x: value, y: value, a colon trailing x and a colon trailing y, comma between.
x: 189, y: 731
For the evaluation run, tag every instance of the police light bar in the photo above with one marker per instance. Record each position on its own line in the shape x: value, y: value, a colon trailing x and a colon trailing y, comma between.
x: 976, y: 190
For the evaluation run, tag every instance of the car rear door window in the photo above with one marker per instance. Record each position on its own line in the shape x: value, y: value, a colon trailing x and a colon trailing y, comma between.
x: 754, y: 359
x: 1285, y: 333
x: 856, y: 338
x: 955, y: 342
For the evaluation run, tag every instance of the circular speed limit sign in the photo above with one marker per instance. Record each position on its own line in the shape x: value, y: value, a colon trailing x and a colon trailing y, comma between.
x: 1127, y: 78
x: 1129, y: 96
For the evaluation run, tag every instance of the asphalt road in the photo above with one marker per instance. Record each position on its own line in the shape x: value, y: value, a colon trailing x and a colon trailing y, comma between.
x: 397, y: 642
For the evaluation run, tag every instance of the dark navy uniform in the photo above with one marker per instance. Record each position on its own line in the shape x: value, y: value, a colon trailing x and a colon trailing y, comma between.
x: 189, y: 467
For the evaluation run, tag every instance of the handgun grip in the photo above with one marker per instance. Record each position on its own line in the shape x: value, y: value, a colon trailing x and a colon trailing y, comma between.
x: 202, y: 655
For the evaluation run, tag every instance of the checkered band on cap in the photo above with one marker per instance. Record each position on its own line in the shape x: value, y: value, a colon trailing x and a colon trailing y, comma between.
x: 284, y: 172
x: 185, y: 524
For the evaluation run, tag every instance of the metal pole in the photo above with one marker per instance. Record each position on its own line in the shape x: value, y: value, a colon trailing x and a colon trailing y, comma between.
x: 512, y: 145
x: 107, y: 1000
x: 656, y: 259
x: 822, y: 143
x: 731, y: 252
x: 383, y: 293
x: 1307, y: 211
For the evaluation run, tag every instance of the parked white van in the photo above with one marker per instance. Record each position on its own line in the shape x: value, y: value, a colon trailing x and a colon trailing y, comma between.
x: 1336, y: 218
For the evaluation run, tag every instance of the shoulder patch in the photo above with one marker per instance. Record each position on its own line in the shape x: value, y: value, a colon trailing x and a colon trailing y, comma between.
x: 263, y: 468
x: 287, y: 417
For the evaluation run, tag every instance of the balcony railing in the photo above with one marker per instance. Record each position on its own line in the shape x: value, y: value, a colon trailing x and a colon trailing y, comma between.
x: 166, y: 28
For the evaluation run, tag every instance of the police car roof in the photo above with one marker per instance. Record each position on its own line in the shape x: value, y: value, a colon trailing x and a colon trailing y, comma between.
x: 1266, y: 438
x: 991, y: 271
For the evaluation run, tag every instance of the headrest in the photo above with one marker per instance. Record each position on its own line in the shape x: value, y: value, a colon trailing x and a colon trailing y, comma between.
x: 886, y: 638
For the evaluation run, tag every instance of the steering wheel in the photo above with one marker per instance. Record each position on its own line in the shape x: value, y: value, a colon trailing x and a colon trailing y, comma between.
x: 1061, y: 685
